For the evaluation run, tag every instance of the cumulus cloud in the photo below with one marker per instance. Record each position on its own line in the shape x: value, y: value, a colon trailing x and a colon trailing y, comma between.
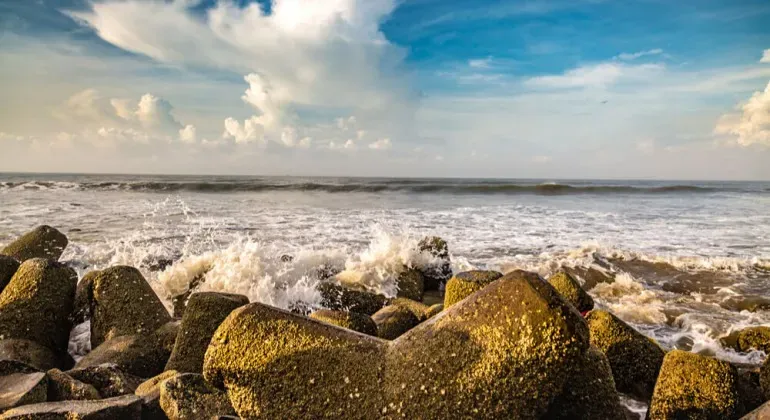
x: 765, y: 56
x: 381, y: 144
x: 188, y: 134
x: 750, y: 126
x: 599, y: 75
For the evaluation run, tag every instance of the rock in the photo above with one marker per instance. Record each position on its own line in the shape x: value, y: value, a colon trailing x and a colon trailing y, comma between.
x: 341, y: 298
x: 107, y: 379
x: 749, y: 388
x: 62, y: 387
x: 9, y: 367
x: 418, y: 309
x: 440, y: 273
x: 634, y: 358
x: 570, y: 289
x: 764, y: 378
x: 411, y: 284
x: 589, y: 393
x: 143, y: 355
x: 350, y: 320
x: 84, y: 295
x: 179, y: 302
x: 434, y: 310
x: 205, y: 311
x: 505, y: 352
x: 124, y: 304
x: 31, y: 353
x: 690, y: 384
x: 751, y: 303
x: 149, y: 390
x: 465, y: 284
x: 754, y: 338
x: 42, y: 242
x: 37, y: 303
x: 433, y: 297
x: 591, y: 276
x: 119, y: 408
x: 22, y: 388
x: 392, y: 321
x: 8, y: 267
x: 761, y: 413
x: 189, y: 396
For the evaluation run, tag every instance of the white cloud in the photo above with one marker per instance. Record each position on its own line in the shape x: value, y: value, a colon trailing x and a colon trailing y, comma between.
x: 634, y: 56
x: 381, y: 144
x: 765, y: 56
x: 752, y: 125
x: 596, y: 76
x: 250, y: 131
x: 188, y: 134
x: 480, y: 63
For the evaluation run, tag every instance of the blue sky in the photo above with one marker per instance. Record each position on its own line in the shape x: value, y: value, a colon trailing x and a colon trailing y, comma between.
x: 554, y: 89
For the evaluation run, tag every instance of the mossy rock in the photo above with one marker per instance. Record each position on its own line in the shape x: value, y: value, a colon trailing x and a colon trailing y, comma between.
x: 440, y: 273
x: 84, y: 295
x: 37, y: 303
x: 754, y: 338
x: 205, y: 311
x: 179, y: 302
x: 42, y: 242
x: 467, y: 283
x: 188, y: 397
x: 31, y: 353
x: 589, y: 392
x: 434, y: 310
x: 149, y: 391
x: 695, y: 387
x: 8, y: 267
x: 418, y: 309
x: 635, y: 359
x: 125, y: 407
x: 350, y: 320
x: 411, y: 284
x: 107, y: 379
x: 749, y: 388
x: 124, y: 304
x: 22, y: 388
x: 570, y: 289
x: 62, y: 387
x: 342, y: 298
x: 764, y: 378
x: 392, y: 321
x: 9, y: 367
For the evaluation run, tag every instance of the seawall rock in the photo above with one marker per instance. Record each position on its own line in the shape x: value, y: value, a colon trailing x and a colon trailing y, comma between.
x: 42, y: 242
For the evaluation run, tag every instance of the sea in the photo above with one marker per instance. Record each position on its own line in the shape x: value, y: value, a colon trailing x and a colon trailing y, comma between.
x: 688, y: 261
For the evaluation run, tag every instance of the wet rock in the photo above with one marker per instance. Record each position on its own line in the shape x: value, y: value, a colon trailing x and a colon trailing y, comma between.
x: 672, y: 279
x: 341, y: 298
x: 589, y: 393
x: 31, y: 353
x: 119, y: 408
x: 142, y: 355
x: 634, y: 358
x: 761, y: 413
x: 149, y: 391
x: 440, y: 273
x: 62, y: 387
x: 156, y: 263
x: 751, y: 303
x: 205, y: 311
x: 392, y: 321
x: 591, y: 276
x: 411, y: 284
x: 22, y: 388
x: 107, y: 379
x: 764, y: 378
x: 465, y: 284
x: 570, y: 289
x: 749, y: 388
x: 433, y: 297
x: 179, y: 302
x: 418, y: 309
x: 505, y: 352
x: 84, y: 295
x: 37, y: 303
x: 124, y: 304
x: 350, y: 320
x: 754, y: 338
x: 694, y: 386
x: 434, y: 310
x: 42, y: 242
x: 8, y: 267
x: 189, y: 396
x: 9, y: 367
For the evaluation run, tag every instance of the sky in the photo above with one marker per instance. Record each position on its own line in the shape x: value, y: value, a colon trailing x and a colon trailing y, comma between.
x: 557, y: 89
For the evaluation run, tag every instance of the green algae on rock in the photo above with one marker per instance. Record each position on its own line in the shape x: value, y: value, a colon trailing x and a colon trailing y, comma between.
x: 350, y: 320
x: 392, y: 321
x: 418, y: 309
x: 42, y: 242
x: 466, y: 283
x: 695, y: 387
x: 411, y: 284
x: 124, y: 304
x: 149, y: 391
x: 189, y: 397
x: 62, y: 387
x: 8, y: 267
x: 125, y: 407
x: 37, y: 302
x: 434, y: 310
x: 570, y: 289
x: 22, y: 388
x: 204, y: 312
x: 635, y: 359
x: 343, y: 298
x: 107, y: 379
x: 754, y: 338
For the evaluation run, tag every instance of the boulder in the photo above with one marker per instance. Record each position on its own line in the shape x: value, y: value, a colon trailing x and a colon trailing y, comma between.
x: 467, y: 283
x: 764, y: 378
x: 695, y: 386
x: 107, y: 379
x: 149, y: 390
x: 205, y: 311
x: 62, y: 387
x: 350, y: 320
x: 41, y: 242
x: 749, y: 388
x: 124, y: 304
x: 84, y: 295
x: 439, y: 273
x: 392, y: 321
x: 505, y: 352
x: 22, y: 388
x: 9, y: 367
x: 37, y: 303
x: 179, y: 302
x: 342, y: 298
x: 754, y: 338
x: 418, y: 309
x: 189, y: 396
x: 8, y: 267
x: 589, y: 392
x: 570, y: 289
x: 761, y: 413
x: 118, y: 408
x: 31, y: 353
x: 434, y: 310
x: 411, y: 284
x: 591, y: 276
x: 635, y: 359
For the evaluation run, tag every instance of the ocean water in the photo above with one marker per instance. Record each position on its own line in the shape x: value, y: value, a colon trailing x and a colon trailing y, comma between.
x: 714, y: 238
